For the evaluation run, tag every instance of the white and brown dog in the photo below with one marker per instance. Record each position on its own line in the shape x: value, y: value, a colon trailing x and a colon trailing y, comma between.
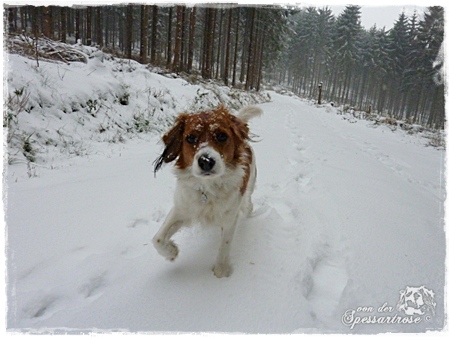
x: 216, y: 172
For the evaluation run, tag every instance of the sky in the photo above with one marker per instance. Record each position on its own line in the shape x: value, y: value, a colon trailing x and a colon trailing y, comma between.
x: 382, y: 13
x: 381, y: 16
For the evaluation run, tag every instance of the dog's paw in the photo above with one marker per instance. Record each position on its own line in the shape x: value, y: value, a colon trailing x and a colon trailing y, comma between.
x: 222, y: 270
x: 166, y: 249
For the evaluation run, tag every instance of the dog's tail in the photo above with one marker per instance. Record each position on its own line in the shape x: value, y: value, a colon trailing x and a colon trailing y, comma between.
x: 249, y: 112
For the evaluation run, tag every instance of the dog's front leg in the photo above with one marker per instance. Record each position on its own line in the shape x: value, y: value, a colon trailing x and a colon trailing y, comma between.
x: 222, y: 268
x: 162, y: 242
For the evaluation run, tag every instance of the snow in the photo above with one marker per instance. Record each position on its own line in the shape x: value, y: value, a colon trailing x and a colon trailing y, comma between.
x: 346, y: 216
x: 77, y: 106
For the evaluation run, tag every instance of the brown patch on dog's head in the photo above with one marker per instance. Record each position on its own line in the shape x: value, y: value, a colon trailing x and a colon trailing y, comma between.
x: 219, y: 129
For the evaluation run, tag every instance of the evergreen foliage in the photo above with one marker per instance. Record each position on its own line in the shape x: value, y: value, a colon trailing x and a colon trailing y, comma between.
x: 396, y: 73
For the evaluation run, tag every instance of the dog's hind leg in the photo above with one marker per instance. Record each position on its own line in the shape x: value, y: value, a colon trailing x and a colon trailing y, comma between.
x: 162, y: 242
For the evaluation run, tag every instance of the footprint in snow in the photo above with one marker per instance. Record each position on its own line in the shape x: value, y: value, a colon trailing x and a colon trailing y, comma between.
x: 43, y: 308
x: 92, y: 289
x: 159, y: 215
x: 138, y: 222
x: 324, y: 280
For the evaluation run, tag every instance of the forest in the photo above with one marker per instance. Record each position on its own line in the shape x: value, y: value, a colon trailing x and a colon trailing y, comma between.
x: 396, y: 73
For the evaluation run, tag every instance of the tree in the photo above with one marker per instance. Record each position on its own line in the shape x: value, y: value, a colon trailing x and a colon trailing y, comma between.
x: 251, y: 47
x: 89, y: 25
x: 431, y: 36
x: 144, y: 33
x: 98, y: 25
x: 63, y: 24
x: 208, y: 42
x: 192, y: 22
x: 347, y: 48
x: 398, y: 72
x: 129, y: 31
x: 154, y: 33
x: 399, y: 45
x: 47, y: 22
x: 236, y: 44
x: 169, y: 39
x: 77, y: 24
x: 176, y: 66
x: 226, y: 70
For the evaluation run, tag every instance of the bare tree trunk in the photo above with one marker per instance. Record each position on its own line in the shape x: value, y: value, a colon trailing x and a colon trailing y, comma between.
x: 154, y: 34
x: 177, y: 48
x: 258, y: 73
x: 250, y: 50
x: 236, y: 49
x: 204, y: 54
x: 129, y: 29
x: 89, y: 25
x: 245, y: 44
x: 47, y: 21
x: 11, y: 16
x: 35, y: 21
x: 63, y: 24
x: 182, y: 62
x: 169, y: 39
x: 144, y: 33
x: 99, y: 26
x: 209, y: 42
x: 191, y: 39
x: 212, y: 37
x: 23, y: 21
x: 77, y: 24
x: 219, y: 46
x: 114, y: 31
x: 226, y: 70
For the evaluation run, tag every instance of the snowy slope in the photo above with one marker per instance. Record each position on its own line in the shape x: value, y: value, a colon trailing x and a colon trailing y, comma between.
x: 346, y: 217
x: 58, y: 110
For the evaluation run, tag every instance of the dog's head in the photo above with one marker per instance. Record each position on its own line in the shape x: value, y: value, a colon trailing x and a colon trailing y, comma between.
x: 416, y: 301
x: 205, y: 143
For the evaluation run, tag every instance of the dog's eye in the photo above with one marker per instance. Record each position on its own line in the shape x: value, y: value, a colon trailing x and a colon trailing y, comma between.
x: 221, y: 137
x: 191, y: 139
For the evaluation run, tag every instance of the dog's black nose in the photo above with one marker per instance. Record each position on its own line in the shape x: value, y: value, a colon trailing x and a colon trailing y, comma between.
x: 206, y: 163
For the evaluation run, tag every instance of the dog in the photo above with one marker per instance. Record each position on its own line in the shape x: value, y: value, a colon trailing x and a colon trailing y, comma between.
x: 216, y: 173
x: 416, y: 301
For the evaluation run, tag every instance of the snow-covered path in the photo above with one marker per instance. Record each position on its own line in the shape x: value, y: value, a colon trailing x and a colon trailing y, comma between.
x: 346, y: 216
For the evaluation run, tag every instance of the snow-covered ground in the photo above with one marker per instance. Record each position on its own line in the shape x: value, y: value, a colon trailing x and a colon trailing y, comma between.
x: 347, y: 215
x: 58, y: 110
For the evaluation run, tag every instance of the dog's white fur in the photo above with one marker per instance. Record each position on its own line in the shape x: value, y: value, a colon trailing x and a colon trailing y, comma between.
x: 214, y: 199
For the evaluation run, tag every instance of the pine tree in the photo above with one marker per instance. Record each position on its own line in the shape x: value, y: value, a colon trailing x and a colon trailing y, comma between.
x: 431, y: 36
x: 347, y: 46
x: 399, y: 45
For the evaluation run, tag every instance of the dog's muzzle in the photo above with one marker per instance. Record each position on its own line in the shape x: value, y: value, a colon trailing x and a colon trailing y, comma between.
x: 206, y: 163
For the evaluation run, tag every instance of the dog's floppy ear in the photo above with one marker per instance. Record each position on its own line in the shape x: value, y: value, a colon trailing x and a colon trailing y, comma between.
x: 173, y: 140
x: 239, y: 128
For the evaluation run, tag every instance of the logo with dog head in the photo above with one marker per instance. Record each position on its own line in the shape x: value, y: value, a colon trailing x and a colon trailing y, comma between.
x: 416, y: 305
x: 416, y: 301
